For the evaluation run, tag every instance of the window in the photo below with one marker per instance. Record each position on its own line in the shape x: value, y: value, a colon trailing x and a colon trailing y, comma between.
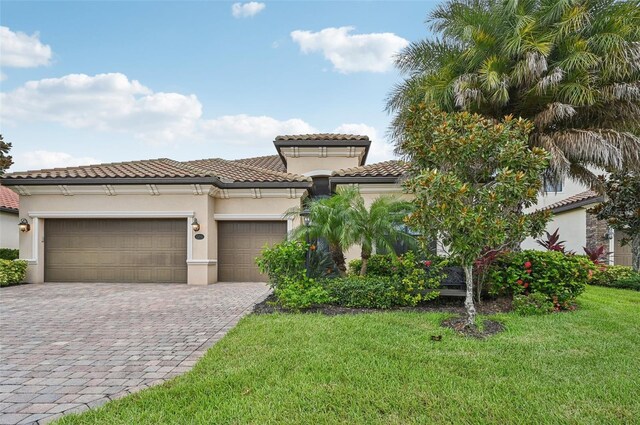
x: 551, y: 186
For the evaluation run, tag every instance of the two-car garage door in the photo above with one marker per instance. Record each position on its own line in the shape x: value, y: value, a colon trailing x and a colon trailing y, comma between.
x: 116, y: 250
x: 149, y: 250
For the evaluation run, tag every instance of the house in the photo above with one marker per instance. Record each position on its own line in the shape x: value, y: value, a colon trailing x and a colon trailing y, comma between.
x: 8, y: 218
x: 196, y: 222
x: 579, y: 228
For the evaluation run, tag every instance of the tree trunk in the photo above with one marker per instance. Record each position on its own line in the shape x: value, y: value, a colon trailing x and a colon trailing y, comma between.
x: 635, y: 252
x: 468, y: 301
x: 338, y: 258
x: 365, y: 262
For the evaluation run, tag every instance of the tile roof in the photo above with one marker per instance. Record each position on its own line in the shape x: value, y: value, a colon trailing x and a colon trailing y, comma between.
x: 239, y: 172
x: 162, y: 167
x: 322, y: 136
x: 270, y: 162
x: 8, y: 199
x: 582, y: 198
x: 393, y: 168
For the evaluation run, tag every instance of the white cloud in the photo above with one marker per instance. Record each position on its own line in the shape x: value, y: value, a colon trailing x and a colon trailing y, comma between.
x: 246, y: 10
x: 352, y: 52
x: 104, y: 102
x: 40, y: 159
x: 247, y: 130
x: 19, y: 50
x: 380, y: 149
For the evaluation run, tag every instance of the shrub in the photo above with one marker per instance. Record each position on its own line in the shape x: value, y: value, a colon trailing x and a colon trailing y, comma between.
x: 9, y: 254
x: 12, y: 272
x: 532, y: 304
x: 390, y: 265
x: 284, y: 264
x: 561, y: 278
x: 616, y: 277
x: 369, y: 291
x: 632, y: 282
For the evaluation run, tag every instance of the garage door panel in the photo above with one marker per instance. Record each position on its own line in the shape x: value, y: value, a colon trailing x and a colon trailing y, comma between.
x: 240, y: 243
x: 115, y: 250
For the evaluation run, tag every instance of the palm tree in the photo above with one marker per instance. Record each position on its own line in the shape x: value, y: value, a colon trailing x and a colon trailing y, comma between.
x: 570, y: 66
x: 343, y: 220
x: 328, y: 220
x: 378, y: 227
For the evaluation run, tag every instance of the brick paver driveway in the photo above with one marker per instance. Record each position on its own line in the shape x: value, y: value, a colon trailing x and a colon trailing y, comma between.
x: 66, y: 347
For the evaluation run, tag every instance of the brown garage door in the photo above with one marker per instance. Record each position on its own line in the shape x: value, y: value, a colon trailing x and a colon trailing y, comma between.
x: 240, y: 242
x: 116, y: 250
x: 621, y: 254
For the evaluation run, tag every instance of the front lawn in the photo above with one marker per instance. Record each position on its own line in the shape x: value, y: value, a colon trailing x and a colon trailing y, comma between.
x: 572, y: 367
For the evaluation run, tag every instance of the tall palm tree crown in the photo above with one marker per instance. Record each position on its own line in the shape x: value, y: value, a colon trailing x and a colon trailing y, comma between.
x: 570, y: 66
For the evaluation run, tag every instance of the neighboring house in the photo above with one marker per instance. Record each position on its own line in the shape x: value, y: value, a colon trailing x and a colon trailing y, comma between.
x: 8, y: 218
x: 578, y: 227
x: 197, y: 222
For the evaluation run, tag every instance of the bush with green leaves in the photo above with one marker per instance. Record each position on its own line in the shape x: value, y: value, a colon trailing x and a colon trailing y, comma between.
x: 12, y: 272
x: 616, y: 277
x: 9, y: 254
x: 284, y: 264
x: 535, y: 303
x: 416, y: 285
x: 561, y: 278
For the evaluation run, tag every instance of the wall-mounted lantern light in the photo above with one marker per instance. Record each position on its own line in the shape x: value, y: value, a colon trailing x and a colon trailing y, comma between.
x: 306, y: 217
x: 24, y: 225
x: 609, y: 235
x: 195, y: 225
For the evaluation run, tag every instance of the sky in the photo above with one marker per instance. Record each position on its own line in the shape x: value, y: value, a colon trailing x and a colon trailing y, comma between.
x: 90, y: 82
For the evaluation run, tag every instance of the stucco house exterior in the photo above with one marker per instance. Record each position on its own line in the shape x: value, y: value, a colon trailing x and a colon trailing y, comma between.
x: 196, y: 222
x: 8, y: 218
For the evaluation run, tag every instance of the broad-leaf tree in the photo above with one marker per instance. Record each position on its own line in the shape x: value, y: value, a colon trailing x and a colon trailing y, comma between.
x: 5, y: 159
x: 470, y: 177
x: 621, y: 209
x: 572, y: 67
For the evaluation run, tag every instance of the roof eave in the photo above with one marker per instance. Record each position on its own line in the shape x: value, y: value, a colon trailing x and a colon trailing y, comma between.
x: 575, y: 205
x: 85, y: 181
x: 9, y: 210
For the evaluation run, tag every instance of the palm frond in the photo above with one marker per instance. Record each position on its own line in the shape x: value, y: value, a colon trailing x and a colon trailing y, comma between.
x: 554, y: 112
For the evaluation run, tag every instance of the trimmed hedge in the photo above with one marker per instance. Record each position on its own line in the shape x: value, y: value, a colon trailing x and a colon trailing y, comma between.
x: 617, y: 277
x: 12, y: 272
x: 561, y: 278
x: 9, y: 254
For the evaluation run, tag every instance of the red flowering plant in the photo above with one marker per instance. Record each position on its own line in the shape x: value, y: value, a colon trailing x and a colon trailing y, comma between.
x: 561, y: 278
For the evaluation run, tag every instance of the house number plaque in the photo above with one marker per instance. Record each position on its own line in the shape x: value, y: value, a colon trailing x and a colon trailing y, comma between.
x: 199, y: 236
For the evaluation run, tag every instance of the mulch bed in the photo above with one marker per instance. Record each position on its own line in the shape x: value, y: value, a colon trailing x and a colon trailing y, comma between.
x: 441, y: 304
x: 488, y: 328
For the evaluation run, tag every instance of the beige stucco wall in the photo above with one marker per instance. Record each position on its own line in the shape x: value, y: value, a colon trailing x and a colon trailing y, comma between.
x: 9, y: 232
x: 202, y: 268
x: 572, y: 225
x: 305, y: 165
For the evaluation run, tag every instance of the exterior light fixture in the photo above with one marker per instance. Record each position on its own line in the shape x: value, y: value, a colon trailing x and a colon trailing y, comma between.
x: 24, y: 225
x: 609, y: 235
x: 195, y: 225
x: 306, y: 217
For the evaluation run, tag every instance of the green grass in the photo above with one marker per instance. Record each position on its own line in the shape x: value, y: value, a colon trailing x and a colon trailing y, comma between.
x: 579, y: 367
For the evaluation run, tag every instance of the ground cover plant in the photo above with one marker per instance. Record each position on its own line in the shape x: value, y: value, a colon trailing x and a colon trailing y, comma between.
x: 385, y: 368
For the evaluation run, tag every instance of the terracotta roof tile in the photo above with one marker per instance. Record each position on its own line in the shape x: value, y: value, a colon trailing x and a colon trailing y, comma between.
x: 8, y: 199
x: 576, y: 200
x: 393, y: 168
x: 162, y: 167
x: 270, y: 162
x: 238, y: 172
x: 322, y: 136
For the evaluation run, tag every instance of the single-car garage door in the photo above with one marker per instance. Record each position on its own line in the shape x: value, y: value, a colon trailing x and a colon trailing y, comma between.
x: 116, y: 250
x: 240, y: 243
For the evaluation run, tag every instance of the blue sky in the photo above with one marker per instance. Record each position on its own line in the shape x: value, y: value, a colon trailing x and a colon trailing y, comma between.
x: 115, y: 81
